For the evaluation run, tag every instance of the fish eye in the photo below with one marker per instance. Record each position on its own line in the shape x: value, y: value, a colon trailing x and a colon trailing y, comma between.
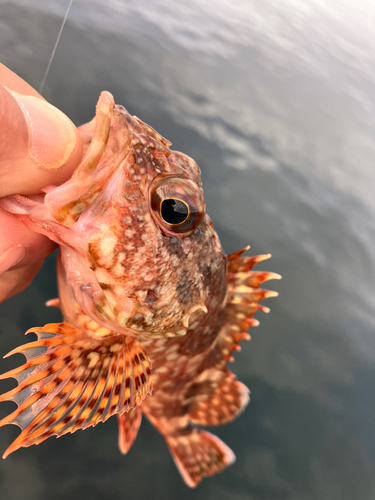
x: 176, y: 204
x: 174, y: 211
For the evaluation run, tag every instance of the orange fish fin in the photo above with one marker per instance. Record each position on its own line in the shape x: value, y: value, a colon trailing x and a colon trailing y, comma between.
x: 216, y: 398
x: 198, y: 454
x: 243, y: 300
x: 128, y: 427
x: 71, y: 381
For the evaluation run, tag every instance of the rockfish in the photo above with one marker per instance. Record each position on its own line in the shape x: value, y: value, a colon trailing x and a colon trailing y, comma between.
x: 152, y: 307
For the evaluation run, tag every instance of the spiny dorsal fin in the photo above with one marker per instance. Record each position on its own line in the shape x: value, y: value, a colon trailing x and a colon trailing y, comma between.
x: 243, y: 300
x: 72, y: 381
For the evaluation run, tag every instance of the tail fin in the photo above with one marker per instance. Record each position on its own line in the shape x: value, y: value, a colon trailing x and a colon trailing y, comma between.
x: 198, y: 454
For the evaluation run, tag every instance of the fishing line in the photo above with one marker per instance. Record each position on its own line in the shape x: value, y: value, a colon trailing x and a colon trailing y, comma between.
x: 54, y: 48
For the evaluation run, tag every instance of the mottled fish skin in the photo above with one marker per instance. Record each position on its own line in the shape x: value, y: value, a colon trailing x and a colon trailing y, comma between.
x: 136, y: 289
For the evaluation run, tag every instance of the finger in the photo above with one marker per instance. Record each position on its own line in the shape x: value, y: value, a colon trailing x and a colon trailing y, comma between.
x: 12, y: 126
x: 14, y: 82
x: 21, y: 254
x: 15, y: 236
x: 16, y: 280
x: 39, y: 145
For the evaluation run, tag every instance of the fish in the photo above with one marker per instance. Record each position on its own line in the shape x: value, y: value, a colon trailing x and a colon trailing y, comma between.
x: 152, y: 307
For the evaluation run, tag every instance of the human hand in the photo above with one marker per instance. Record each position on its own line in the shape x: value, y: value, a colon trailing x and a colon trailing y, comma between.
x: 39, y: 146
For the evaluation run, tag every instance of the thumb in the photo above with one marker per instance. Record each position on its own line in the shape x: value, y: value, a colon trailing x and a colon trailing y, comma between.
x: 39, y: 145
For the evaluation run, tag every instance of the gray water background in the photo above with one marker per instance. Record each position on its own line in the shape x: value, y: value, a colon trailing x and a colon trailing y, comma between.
x: 275, y: 101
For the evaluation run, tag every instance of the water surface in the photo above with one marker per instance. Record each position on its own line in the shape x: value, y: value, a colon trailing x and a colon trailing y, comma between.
x: 275, y: 101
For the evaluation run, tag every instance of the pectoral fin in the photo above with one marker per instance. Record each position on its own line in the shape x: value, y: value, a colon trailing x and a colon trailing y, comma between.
x: 72, y: 381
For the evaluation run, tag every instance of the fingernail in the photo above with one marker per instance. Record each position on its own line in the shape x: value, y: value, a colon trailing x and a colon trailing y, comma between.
x: 52, y: 136
x: 11, y: 257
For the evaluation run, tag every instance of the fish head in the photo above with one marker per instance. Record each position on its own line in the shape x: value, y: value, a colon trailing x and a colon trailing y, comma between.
x: 139, y: 253
x: 154, y: 251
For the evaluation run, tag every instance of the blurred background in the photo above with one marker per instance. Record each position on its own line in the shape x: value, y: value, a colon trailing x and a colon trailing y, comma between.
x: 275, y: 101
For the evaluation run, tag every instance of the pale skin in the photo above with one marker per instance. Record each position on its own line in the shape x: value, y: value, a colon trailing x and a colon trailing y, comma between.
x: 39, y: 146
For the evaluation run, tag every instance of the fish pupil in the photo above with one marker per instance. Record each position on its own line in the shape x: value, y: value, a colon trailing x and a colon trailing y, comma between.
x: 174, y: 211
